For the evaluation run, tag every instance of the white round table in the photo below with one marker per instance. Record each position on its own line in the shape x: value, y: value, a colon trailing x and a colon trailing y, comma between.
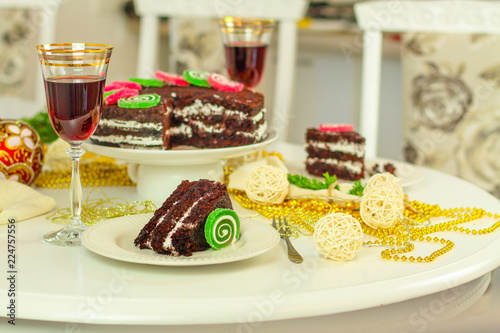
x: 78, y: 291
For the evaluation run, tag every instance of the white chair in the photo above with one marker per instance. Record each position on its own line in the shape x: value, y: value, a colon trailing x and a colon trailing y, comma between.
x: 375, y: 17
x: 43, y: 24
x: 285, y: 12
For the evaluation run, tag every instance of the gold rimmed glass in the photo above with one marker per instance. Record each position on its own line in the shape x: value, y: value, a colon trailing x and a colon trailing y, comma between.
x: 245, y: 43
x: 74, y: 75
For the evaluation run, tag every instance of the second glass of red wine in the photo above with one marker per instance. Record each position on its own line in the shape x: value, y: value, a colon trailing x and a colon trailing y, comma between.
x: 245, y: 42
x: 74, y: 76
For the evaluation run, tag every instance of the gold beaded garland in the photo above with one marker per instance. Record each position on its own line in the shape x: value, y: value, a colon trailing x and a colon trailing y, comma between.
x: 399, y: 238
x: 105, y: 173
x: 303, y: 214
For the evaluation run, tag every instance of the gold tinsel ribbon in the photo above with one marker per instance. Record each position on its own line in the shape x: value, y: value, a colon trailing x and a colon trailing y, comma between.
x: 97, y: 210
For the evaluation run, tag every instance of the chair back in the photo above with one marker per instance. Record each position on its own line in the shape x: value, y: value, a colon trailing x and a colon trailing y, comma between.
x: 376, y: 17
x: 285, y: 12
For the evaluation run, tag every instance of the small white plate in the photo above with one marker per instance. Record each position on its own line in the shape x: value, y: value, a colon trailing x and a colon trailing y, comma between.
x: 408, y: 174
x: 114, y: 239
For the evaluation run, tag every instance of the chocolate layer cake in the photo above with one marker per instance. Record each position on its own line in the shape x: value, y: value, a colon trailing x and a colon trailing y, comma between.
x: 339, y: 153
x: 178, y: 226
x: 201, y: 117
x: 210, y: 118
x: 129, y: 128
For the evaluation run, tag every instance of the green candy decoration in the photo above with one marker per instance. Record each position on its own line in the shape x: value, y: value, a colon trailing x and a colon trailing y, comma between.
x: 222, y: 228
x: 148, y: 82
x: 139, y: 102
x: 197, y: 78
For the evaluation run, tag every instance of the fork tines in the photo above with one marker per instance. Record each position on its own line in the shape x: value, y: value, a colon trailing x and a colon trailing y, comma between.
x: 282, y: 227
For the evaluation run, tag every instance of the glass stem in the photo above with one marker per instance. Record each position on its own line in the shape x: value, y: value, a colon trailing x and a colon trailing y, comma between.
x: 75, y: 189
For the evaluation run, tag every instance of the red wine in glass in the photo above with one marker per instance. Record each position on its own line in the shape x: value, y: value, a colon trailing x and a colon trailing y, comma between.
x: 245, y: 62
x: 74, y: 105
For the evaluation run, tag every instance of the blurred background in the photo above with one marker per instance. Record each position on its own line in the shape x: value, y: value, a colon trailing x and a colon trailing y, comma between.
x: 326, y: 87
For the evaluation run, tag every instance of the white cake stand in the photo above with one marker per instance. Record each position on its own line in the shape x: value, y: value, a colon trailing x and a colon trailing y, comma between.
x: 158, y: 172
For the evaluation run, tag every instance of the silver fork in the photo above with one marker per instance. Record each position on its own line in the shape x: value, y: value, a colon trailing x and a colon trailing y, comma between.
x: 282, y: 228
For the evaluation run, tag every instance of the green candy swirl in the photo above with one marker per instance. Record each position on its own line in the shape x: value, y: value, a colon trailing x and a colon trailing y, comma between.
x: 139, y: 102
x: 196, y: 78
x: 222, y: 228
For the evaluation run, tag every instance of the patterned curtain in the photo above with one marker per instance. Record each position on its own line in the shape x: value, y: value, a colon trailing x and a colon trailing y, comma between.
x: 451, y: 89
x: 16, y: 55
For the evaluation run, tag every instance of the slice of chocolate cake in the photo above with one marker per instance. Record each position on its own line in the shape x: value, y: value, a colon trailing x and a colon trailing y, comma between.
x: 178, y: 226
x: 131, y: 128
x: 339, y: 153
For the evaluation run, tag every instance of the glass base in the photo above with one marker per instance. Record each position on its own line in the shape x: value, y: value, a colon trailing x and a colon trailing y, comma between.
x: 68, y: 236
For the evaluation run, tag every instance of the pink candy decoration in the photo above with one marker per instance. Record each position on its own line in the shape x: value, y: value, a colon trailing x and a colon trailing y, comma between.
x: 336, y: 127
x: 220, y: 82
x: 172, y: 78
x: 121, y: 93
x: 123, y: 84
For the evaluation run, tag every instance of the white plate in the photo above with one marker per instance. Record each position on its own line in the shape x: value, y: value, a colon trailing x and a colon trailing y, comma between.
x: 408, y: 173
x: 114, y: 239
x: 179, y: 156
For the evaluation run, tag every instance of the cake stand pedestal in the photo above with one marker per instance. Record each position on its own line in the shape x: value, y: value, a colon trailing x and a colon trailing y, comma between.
x: 157, y: 182
x: 158, y: 172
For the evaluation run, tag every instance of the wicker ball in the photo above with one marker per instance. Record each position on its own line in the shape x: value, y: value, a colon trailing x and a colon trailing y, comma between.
x: 381, y: 207
x: 267, y: 185
x: 338, y: 236
x: 385, y: 180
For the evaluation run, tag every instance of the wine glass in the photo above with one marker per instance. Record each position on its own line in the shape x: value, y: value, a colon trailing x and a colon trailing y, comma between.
x: 74, y: 75
x: 245, y: 42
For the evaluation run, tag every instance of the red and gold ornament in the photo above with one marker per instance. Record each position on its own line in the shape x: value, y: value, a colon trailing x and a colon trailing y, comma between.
x: 21, y: 151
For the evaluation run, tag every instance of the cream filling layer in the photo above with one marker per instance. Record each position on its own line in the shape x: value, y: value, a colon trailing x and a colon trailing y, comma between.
x: 130, y: 139
x: 167, y: 244
x: 208, y: 109
x: 357, y: 150
x: 160, y: 220
x: 355, y: 167
x: 130, y: 124
x: 259, y: 134
x: 188, y: 131
x: 181, y: 129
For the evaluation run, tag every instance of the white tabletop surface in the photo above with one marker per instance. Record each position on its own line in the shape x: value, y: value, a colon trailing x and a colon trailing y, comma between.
x: 264, y: 294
